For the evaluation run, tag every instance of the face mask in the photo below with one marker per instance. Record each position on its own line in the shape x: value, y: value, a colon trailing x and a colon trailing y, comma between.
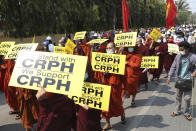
x: 109, y: 51
x: 86, y: 76
x: 182, y: 52
x: 59, y: 45
x: 130, y: 50
x: 164, y: 40
x: 138, y: 45
x: 158, y: 41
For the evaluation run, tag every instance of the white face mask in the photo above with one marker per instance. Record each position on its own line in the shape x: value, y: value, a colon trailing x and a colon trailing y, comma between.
x: 130, y: 49
x: 110, y: 51
x: 158, y: 41
x: 164, y: 40
x: 60, y: 45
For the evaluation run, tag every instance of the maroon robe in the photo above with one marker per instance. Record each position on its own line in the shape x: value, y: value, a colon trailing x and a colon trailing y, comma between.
x: 143, y: 50
x: 168, y: 59
x: 89, y: 120
x: 115, y: 107
x: 161, y: 48
x: 57, y: 113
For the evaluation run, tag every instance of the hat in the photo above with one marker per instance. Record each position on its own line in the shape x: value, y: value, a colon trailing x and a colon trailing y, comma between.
x: 48, y: 38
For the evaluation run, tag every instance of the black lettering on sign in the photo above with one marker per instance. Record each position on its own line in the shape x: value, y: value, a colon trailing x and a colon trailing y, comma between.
x: 52, y: 64
x: 66, y: 85
x: 48, y: 82
x: 27, y: 63
x: 22, y: 82
x: 70, y: 67
x: 41, y: 63
x: 35, y: 80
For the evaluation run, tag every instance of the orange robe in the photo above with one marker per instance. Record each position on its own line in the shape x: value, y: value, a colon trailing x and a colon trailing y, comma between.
x: 132, y: 74
x: 10, y: 92
x: 115, y: 107
x: 28, y: 106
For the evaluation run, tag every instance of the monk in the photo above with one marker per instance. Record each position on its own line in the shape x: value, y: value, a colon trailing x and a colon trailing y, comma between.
x: 168, y: 57
x: 143, y: 51
x: 56, y: 112
x: 160, y: 52
x: 88, y: 119
x: 115, y: 81
x: 10, y: 92
x: 28, y: 107
x: 132, y: 74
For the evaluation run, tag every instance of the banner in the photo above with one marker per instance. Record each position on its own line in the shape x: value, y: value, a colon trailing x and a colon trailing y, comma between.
x: 125, y: 39
x: 112, y: 63
x: 155, y: 34
x: 62, y: 50
x: 57, y: 73
x: 80, y: 35
x: 94, y: 95
x: 98, y: 41
x: 4, y: 47
x: 15, y: 49
x: 173, y: 48
x: 150, y: 62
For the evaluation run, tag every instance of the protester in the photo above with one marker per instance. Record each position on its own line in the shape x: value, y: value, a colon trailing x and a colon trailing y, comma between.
x: 132, y: 74
x: 115, y: 107
x: 184, y: 69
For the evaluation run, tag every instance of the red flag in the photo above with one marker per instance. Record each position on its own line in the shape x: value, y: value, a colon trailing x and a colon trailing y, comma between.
x: 171, y: 13
x: 125, y: 14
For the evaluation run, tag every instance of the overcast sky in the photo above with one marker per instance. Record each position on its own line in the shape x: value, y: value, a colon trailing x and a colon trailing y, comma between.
x: 192, y: 4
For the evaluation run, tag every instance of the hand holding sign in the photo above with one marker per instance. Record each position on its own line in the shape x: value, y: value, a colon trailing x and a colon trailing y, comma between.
x: 41, y: 94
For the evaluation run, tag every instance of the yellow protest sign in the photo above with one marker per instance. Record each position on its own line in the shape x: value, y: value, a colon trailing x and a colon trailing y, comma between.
x: 125, y: 39
x: 173, y: 48
x: 94, y: 95
x: 112, y: 63
x: 70, y: 44
x: 4, y: 47
x: 62, y: 50
x: 150, y: 62
x: 99, y: 41
x: 15, y: 49
x: 80, y: 35
x: 57, y: 73
x: 58, y: 49
x: 155, y: 34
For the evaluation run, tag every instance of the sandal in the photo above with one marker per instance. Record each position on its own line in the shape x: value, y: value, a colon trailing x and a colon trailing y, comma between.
x: 18, y: 117
x: 132, y: 104
x: 188, y: 117
x: 123, y: 118
x: 13, y: 112
x: 173, y: 114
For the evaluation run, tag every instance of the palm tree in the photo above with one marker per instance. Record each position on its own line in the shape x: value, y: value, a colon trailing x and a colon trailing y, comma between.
x: 182, y: 5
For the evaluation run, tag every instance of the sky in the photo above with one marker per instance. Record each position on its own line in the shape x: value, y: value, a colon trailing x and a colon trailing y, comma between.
x: 192, y: 4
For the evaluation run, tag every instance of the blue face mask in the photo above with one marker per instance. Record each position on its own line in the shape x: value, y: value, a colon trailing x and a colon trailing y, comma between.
x: 182, y: 52
x: 86, y: 76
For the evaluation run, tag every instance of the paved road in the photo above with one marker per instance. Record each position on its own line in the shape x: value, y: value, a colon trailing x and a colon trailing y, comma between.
x: 152, y: 112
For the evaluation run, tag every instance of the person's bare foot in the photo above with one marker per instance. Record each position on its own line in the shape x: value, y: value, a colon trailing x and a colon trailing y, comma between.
x: 106, y: 127
x: 166, y: 76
